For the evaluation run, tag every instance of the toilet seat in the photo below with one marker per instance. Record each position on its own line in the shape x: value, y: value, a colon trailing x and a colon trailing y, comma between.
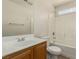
x: 54, y: 50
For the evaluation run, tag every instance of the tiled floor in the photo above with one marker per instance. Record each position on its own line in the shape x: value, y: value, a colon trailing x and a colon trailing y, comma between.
x: 62, y: 57
x: 59, y: 57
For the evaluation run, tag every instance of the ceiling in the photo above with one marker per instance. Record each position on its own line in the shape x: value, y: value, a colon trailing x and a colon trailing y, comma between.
x: 59, y: 2
x: 53, y: 2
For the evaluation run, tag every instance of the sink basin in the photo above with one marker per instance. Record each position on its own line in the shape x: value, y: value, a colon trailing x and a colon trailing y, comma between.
x: 18, y: 44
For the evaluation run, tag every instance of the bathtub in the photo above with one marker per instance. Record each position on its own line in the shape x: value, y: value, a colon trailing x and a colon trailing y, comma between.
x: 67, y: 51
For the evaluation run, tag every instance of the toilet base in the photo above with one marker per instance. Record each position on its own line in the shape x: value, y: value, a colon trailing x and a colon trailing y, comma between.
x: 54, y: 57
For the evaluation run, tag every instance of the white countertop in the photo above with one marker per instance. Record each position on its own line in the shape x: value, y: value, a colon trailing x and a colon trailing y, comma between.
x: 11, y: 45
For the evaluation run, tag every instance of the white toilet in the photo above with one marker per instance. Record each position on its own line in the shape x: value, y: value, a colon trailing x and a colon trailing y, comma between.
x: 54, y: 51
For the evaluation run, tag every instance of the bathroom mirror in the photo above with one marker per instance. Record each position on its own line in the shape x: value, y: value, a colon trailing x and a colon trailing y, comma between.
x: 20, y: 18
x: 17, y: 18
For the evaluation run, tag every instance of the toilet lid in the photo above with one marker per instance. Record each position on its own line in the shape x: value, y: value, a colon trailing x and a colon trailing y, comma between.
x: 54, y: 48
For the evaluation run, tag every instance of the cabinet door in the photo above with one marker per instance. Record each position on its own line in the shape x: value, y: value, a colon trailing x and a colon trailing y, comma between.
x: 25, y: 55
x: 40, y: 51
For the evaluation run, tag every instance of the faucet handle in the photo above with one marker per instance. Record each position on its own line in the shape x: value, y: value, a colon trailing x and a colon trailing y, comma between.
x: 23, y: 38
x: 18, y: 39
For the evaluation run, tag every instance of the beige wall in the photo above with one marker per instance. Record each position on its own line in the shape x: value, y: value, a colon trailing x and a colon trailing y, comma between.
x: 42, y: 15
x: 66, y: 27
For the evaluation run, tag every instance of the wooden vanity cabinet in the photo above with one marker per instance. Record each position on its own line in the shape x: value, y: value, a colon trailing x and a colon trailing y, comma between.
x: 40, y: 51
x: 35, y: 52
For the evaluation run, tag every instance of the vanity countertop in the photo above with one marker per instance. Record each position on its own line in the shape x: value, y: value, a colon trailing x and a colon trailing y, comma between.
x: 11, y: 45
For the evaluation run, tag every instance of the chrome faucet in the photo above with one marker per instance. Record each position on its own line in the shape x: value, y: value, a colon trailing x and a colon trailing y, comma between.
x: 21, y: 39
